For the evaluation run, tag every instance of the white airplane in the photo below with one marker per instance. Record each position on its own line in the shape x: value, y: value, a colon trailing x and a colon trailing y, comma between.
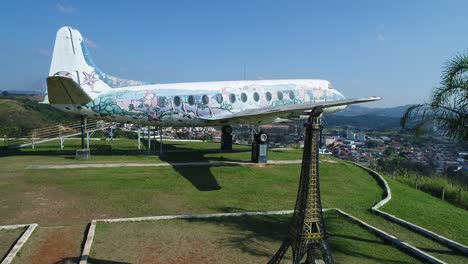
x: 75, y: 84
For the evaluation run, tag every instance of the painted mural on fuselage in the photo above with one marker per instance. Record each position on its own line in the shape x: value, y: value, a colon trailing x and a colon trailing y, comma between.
x: 173, y: 105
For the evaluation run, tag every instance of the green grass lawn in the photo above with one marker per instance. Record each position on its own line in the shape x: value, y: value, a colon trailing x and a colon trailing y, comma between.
x: 246, y: 239
x: 8, y: 239
x: 76, y: 196
x: 428, y: 211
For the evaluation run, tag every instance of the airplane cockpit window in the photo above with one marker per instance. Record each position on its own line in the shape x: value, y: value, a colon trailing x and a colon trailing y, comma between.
x: 191, y: 100
x: 176, y: 101
x: 205, y: 99
x: 280, y: 95
x: 244, y: 97
x: 219, y: 98
x: 232, y: 98
x: 268, y: 96
x: 256, y: 97
x: 291, y: 95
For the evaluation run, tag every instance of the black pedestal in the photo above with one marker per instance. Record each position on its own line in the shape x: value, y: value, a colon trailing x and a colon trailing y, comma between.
x: 226, y: 142
x: 259, y: 153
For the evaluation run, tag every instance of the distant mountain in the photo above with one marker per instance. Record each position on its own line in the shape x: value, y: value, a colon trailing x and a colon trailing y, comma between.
x: 356, y: 110
x: 116, y: 82
x: 19, y: 93
x: 367, y: 118
x: 362, y: 121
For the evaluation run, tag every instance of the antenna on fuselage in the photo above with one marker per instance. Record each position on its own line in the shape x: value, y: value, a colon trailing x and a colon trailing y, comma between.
x: 245, y: 67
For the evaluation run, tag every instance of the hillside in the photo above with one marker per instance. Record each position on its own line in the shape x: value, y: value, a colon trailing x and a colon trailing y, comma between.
x: 357, y: 110
x: 368, y: 121
x: 365, y: 117
x: 19, y: 115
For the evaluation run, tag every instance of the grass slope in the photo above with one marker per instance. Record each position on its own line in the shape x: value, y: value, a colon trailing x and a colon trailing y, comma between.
x: 247, y: 239
x: 427, y: 211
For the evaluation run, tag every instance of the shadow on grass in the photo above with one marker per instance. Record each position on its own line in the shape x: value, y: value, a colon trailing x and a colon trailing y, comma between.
x: 250, y: 233
x: 201, y: 178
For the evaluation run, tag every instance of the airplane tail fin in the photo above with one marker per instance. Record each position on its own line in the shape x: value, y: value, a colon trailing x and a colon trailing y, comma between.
x: 71, y: 59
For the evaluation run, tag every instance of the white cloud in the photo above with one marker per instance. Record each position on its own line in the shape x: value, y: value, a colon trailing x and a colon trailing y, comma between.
x: 65, y: 8
x: 380, y: 37
x: 380, y: 34
x: 44, y: 52
x: 90, y: 43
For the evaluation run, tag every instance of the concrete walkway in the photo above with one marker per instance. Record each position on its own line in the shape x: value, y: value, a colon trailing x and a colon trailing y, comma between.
x: 165, y: 164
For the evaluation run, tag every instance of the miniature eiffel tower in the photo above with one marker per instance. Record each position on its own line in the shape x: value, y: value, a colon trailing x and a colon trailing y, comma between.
x: 307, y: 234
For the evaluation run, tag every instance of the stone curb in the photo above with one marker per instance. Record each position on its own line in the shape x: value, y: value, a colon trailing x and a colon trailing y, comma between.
x: 21, y: 241
x: 418, y: 229
x: 89, y: 241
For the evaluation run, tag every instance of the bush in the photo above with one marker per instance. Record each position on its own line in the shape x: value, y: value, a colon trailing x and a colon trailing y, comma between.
x: 454, y: 193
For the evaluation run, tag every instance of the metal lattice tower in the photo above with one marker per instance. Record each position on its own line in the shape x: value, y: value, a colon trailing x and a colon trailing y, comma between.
x: 307, y: 234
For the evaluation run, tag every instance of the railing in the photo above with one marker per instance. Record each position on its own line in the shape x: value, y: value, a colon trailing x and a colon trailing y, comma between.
x: 55, y: 132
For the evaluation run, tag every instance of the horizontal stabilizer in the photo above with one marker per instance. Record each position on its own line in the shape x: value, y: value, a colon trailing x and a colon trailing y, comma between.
x: 63, y: 90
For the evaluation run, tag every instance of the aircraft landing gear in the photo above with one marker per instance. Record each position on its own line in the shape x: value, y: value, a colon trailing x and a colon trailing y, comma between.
x: 260, y: 148
x: 227, y: 130
x: 261, y: 137
x: 226, y: 138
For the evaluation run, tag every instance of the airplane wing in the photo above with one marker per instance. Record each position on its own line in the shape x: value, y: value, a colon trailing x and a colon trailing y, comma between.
x: 285, y: 111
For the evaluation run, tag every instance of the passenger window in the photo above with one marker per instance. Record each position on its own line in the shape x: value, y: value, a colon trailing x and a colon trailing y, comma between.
x: 205, y: 99
x: 232, y: 98
x: 244, y: 97
x: 176, y: 101
x: 256, y: 97
x: 280, y: 95
x: 291, y: 95
x: 162, y: 101
x: 219, y: 98
x: 191, y: 100
x: 268, y: 96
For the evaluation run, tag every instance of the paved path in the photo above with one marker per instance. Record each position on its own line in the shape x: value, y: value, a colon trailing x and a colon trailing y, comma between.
x: 163, y: 164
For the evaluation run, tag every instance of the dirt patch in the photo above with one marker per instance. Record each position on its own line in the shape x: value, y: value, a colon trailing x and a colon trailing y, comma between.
x: 61, y: 245
x: 190, y: 251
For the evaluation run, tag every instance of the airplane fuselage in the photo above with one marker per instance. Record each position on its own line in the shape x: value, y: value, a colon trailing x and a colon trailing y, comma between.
x: 193, y: 104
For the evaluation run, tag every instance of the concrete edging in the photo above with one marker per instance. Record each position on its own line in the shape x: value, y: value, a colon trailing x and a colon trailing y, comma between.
x: 418, y: 229
x: 394, y: 240
x: 20, y: 242
x: 92, y: 228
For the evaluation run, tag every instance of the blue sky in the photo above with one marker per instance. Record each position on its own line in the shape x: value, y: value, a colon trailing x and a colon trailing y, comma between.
x: 394, y: 49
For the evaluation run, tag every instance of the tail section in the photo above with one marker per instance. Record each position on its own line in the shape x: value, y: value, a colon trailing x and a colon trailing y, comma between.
x: 71, y: 59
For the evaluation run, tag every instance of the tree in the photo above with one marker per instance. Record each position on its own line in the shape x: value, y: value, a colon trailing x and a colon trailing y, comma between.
x: 448, y: 107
